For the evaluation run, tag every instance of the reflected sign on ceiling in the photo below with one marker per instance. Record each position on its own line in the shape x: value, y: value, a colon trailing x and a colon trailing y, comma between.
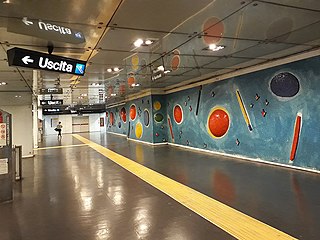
x: 46, y: 30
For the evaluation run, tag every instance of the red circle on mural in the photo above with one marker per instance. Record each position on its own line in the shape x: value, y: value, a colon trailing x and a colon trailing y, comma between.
x: 122, y: 89
x: 123, y: 114
x: 110, y: 90
x: 178, y: 114
x: 111, y: 118
x: 218, y: 122
x: 213, y: 30
x: 133, y: 112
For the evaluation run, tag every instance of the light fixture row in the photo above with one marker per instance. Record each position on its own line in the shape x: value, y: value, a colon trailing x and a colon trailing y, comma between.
x: 143, y: 42
x: 3, y: 83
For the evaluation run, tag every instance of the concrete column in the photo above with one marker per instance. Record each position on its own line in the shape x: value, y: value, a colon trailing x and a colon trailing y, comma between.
x: 36, y: 76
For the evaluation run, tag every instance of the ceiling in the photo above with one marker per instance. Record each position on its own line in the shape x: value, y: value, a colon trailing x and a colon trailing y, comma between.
x: 251, y: 32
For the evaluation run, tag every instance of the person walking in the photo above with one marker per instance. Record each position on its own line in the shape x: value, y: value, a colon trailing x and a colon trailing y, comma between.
x: 58, y: 129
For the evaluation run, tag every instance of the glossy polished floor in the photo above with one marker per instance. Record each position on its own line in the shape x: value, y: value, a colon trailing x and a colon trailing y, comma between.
x: 73, y: 192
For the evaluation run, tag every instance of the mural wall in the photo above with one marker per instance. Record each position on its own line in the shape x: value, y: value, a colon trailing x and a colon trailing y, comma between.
x: 272, y: 115
x: 134, y: 119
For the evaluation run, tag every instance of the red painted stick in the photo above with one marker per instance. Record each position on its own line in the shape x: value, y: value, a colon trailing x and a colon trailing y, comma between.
x: 295, y: 141
x: 170, y: 126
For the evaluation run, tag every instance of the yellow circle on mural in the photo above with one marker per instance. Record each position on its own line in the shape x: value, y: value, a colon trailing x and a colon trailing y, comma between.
x: 135, y: 62
x: 156, y: 105
x: 139, y: 130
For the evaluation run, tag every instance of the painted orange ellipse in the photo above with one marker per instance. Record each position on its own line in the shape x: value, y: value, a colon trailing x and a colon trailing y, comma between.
x: 175, y: 61
x: 213, y: 29
x: 133, y: 112
x: 131, y: 80
x: 123, y: 114
x: 111, y: 118
x: 218, y: 122
x: 178, y: 114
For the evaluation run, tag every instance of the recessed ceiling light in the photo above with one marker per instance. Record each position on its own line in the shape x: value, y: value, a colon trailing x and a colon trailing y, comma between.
x: 148, y: 42
x: 3, y: 83
x: 215, y: 47
x: 6, y: 1
x: 113, y: 94
x: 109, y: 70
x: 116, y: 69
x: 138, y: 42
x: 18, y: 96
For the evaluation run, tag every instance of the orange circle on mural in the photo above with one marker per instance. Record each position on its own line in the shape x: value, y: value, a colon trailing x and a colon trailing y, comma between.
x: 131, y: 80
x: 133, y: 112
x: 111, y: 118
x: 175, y: 61
x: 218, y: 122
x: 178, y: 114
x: 213, y: 30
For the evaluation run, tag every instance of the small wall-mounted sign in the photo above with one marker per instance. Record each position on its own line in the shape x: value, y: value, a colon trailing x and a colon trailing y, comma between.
x: 4, y: 166
x: 3, y: 134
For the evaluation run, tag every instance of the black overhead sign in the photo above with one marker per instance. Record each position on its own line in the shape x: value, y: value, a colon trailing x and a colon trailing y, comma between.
x: 37, y: 60
x: 51, y: 91
x: 44, y: 29
x: 51, y: 102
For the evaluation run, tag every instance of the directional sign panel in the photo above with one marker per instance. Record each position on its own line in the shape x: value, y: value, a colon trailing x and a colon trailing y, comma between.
x: 51, y: 91
x: 51, y: 102
x: 37, y: 60
x: 44, y: 29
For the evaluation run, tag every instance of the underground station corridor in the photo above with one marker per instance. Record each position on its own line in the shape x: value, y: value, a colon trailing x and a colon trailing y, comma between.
x: 159, y: 120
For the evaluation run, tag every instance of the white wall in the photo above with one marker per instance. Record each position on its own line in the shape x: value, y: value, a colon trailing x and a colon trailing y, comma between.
x: 94, y: 122
x: 66, y: 121
x: 22, y: 133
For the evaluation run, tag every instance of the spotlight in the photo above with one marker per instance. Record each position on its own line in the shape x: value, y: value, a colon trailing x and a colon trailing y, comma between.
x: 138, y: 42
x: 109, y: 70
x: 215, y: 47
x: 148, y: 42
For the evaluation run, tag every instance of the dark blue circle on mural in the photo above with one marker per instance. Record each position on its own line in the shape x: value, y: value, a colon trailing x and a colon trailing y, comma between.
x: 285, y: 85
x: 146, y: 117
x: 119, y: 124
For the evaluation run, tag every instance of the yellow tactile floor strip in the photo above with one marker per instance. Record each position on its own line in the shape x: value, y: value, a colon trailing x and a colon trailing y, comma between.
x: 236, y: 223
x: 62, y: 146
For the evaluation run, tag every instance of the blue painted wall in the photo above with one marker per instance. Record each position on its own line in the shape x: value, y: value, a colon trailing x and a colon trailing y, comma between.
x: 272, y: 135
x: 141, y: 104
x: 159, y: 127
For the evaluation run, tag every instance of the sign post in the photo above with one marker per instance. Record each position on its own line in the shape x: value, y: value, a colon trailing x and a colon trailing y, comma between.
x: 37, y: 60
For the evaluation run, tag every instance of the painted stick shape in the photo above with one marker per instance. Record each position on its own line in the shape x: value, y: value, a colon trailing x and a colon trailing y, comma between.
x: 198, y: 102
x: 170, y: 126
x: 296, y: 134
x: 128, y: 134
x: 244, y: 110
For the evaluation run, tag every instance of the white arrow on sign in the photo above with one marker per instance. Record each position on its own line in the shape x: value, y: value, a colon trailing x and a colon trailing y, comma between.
x: 26, y: 21
x: 26, y: 60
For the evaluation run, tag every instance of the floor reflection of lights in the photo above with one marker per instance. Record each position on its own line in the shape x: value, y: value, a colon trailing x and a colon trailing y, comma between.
x: 103, y: 231
x: 86, y: 202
